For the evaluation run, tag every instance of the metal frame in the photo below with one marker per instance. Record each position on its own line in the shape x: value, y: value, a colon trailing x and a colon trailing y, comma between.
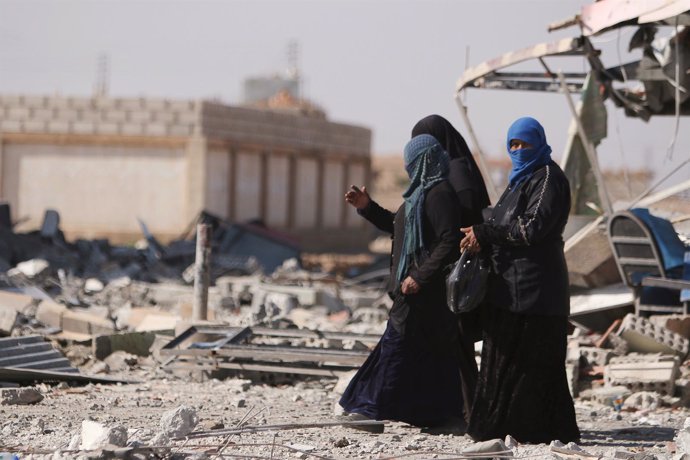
x: 658, y: 276
x: 233, y: 349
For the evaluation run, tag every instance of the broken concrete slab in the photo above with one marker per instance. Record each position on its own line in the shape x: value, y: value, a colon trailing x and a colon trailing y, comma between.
x: 95, y: 435
x: 645, y: 337
x: 160, y: 323
x: 15, y: 396
x: 17, y: 302
x: 85, y: 323
x: 589, y: 257
x: 597, y: 308
x: 136, y: 343
x: 658, y: 375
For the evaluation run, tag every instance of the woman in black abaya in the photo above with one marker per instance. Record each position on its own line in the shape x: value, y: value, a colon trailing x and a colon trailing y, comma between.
x: 522, y: 389
x: 466, y: 179
x: 412, y: 373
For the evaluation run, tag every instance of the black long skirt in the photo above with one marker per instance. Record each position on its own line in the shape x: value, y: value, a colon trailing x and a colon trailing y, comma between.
x: 404, y: 379
x: 522, y: 389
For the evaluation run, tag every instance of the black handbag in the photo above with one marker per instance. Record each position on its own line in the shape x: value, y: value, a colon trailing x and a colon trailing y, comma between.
x: 466, y: 283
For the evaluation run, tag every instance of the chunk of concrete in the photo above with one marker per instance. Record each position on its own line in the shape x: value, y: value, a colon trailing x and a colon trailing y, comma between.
x: 596, y: 356
x: 157, y: 323
x: 657, y: 375
x: 93, y: 285
x: 17, y: 302
x: 96, y: 435
x: 50, y: 313
x: 179, y: 422
x: 680, y: 324
x: 497, y: 447
x: 120, y: 361
x: 136, y: 343
x: 86, y: 323
x: 8, y: 318
x: 643, y: 400
x: 645, y: 337
x: 29, y: 268
x: 590, y: 259
x: 19, y: 396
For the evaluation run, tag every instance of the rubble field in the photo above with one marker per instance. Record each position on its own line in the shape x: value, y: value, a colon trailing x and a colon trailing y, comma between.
x: 100, y: 357
x: 52, y: 429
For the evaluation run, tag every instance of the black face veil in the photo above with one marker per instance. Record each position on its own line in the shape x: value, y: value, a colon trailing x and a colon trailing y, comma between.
x: 465, y: 173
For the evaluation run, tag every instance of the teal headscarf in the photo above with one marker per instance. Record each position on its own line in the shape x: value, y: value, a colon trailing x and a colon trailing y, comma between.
x: 427, y: 164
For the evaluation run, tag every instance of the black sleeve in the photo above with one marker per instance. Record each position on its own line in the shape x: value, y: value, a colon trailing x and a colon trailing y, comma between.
x: 380, y: 217
x: 548, y: 203
x: 441, y: 210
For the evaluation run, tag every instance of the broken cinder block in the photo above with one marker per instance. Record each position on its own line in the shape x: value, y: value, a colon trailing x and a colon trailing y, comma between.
x: 645, y: 337
x: 646, y: 373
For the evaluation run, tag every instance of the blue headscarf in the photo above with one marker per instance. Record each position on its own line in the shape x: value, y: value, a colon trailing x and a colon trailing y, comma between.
x: 526, y: 161
x: 427, y: 164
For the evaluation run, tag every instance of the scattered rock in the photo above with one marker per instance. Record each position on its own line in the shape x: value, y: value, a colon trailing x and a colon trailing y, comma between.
x: 14, y: 396
x: 178, y: 422
x: 95, y: 435
x: 120, y: 361
x: 643, y: 400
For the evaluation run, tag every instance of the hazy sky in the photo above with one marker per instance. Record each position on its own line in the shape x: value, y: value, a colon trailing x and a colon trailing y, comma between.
x: 378, y: 63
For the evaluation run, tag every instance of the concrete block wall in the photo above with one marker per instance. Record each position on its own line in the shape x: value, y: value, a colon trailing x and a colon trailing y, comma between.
x: 88, y: 115
x: 239, y: 163
x: 280, y: 130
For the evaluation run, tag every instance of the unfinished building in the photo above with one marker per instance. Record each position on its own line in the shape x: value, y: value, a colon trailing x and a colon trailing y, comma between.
x: 102, y: 163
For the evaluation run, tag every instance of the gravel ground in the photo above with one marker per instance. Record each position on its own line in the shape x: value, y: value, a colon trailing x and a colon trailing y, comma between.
x: 46, y: 430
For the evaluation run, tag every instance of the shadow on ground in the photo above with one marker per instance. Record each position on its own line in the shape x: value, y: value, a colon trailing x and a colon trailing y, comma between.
x: 641, y: 436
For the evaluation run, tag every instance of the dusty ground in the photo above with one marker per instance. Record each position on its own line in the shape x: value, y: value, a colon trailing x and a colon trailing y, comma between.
x: 45, y: 430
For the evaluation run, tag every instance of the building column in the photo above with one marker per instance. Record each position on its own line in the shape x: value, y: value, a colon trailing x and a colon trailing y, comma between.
x: 232, y: 184
x: 292, y: 191
x: 343, y: 188
x: 263, y: 186
x: 320, y: 183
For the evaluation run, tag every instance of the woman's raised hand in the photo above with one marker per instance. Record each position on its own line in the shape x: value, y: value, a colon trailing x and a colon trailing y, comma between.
x: 357, y: 198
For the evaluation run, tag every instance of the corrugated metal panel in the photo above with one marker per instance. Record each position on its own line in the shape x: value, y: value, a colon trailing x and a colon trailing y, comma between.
x: 32, y: 352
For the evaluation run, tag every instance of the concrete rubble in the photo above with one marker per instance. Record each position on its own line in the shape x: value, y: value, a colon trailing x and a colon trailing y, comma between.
x: 114, y: 311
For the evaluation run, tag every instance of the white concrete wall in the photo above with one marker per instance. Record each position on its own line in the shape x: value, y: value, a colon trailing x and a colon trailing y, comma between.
x: 278, y: 191
x: 97, y: 189
x: 333, y: 193
x: 305, y: 195
x: 247, y: 186
x: 217, y: 174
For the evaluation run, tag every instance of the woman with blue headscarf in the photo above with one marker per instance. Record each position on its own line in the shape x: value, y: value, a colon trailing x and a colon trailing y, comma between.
x: 522, y: 389
x: 412, y: 374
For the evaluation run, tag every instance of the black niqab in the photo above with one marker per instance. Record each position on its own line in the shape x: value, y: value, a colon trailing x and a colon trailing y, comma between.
x: 464, y: 173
